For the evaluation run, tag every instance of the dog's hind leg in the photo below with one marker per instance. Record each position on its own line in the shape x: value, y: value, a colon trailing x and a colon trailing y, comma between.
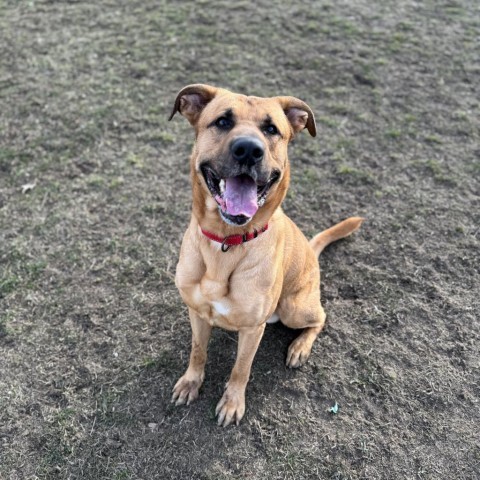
x: 307, y: 315
x: 299, y: 350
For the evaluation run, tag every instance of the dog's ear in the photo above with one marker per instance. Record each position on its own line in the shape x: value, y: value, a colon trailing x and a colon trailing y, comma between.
x: 299, y: 114
x: 191, y: 100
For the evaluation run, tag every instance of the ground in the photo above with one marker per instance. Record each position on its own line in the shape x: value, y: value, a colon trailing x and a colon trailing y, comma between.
x: 95, y: 196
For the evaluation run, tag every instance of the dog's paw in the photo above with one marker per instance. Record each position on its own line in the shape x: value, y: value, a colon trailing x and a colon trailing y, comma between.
x: 186, y: 390
x: 231, y: 407
x: 298, y: 353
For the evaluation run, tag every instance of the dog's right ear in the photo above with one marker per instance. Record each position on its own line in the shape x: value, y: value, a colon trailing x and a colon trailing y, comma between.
x: 191, y: 100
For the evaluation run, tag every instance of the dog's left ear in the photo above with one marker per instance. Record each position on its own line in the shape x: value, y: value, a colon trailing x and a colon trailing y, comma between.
x: 191, y: 100
x: 299, y: 114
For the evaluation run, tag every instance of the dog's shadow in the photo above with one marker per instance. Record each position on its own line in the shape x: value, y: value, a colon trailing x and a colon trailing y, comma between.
x: 270, y: 357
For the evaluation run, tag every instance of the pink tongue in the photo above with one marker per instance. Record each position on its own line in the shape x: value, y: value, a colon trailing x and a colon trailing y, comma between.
x: 241, y: 196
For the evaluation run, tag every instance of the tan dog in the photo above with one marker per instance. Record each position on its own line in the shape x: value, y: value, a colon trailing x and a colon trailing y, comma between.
x: 243, y: 262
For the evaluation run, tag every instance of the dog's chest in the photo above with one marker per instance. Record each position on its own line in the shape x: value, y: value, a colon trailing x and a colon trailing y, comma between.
x: 226, y: 290
x: 211, y: 301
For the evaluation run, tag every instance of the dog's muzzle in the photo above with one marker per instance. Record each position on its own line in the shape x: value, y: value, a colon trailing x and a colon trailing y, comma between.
x: 238, y: 196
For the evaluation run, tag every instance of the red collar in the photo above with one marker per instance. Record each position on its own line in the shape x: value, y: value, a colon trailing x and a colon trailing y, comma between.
x: 232, y: 240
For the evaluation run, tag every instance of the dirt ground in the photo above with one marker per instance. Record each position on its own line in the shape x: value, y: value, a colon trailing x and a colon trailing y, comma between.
x: 95, y: 196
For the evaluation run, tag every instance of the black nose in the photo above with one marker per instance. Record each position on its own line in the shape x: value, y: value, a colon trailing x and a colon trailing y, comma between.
x: 247, y: 150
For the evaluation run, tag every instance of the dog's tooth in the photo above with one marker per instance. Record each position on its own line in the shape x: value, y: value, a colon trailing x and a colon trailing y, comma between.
x: 222, y: 185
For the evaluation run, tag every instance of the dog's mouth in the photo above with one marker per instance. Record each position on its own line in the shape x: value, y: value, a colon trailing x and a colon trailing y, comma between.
x: 238, y: 197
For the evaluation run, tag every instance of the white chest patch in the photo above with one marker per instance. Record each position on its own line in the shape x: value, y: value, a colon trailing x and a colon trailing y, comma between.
x: 274, y: 318
x: 220, y: 308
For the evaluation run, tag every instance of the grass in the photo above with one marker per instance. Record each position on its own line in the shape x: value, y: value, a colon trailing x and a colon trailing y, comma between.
x: 328, y: 121
x: 393, y: 133
x: 353, y: 173
x: 4, y: 328
x: 93, y: 333
x: 8, y: 285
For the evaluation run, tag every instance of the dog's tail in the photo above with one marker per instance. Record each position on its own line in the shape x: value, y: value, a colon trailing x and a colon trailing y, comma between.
x: 332, y: 234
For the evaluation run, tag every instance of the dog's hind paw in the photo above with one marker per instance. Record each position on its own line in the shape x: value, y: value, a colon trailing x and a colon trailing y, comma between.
x: 298, y: 353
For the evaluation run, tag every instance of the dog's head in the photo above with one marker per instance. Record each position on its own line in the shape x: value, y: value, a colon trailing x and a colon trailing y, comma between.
x: 240, y: 155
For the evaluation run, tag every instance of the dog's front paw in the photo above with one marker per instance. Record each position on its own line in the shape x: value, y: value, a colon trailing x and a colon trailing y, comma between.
x: 186, y: 390
x: 231, y: 407
x: 298, y: 352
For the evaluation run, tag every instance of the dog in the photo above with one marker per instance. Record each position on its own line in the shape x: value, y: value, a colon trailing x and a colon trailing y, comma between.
x: 243, y: 263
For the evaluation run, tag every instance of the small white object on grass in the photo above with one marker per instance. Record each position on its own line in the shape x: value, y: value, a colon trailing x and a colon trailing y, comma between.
x: 28, y: 186
x: 334, y: 409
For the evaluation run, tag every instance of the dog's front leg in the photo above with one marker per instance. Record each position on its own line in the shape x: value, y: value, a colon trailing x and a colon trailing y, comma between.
x: 187, y: 387
x: 232, y: 405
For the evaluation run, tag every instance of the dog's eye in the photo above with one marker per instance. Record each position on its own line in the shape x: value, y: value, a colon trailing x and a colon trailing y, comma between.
x: 270, y: 130
x: 224, y: 123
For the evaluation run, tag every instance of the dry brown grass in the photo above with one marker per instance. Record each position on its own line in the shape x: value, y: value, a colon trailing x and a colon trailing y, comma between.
x: 93, y: 334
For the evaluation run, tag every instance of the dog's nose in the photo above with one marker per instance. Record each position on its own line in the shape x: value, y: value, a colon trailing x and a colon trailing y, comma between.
x: 247, y: 150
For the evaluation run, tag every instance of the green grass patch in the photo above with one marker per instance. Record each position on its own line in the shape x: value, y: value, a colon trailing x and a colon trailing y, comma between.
x: 58, y: 443
x: 95, y: 181
x: 436, y: 170
x: 381, y: 61
x: 346, y: 27
x: 122, y: 475
x: 116, y: 182
x: 164, y: 360
x: 4, y: 328
x: 461, y: 115
x: 149, y: 362
x: 339, y: 109
x: 135, y: 160
x: 405, y: 26
x: 454, y: 10
x: 393, y: 133
x: 109, y: 411
x: 433, y: 166
x: 310, y: 176
x: 33, y: 272
x: 433, y: 139
x: 20, y: 273
x: 410, y: 118
x: 8, y: 285
x: 348, y: 171
x: 345, y: 144
x: 328, y: 121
